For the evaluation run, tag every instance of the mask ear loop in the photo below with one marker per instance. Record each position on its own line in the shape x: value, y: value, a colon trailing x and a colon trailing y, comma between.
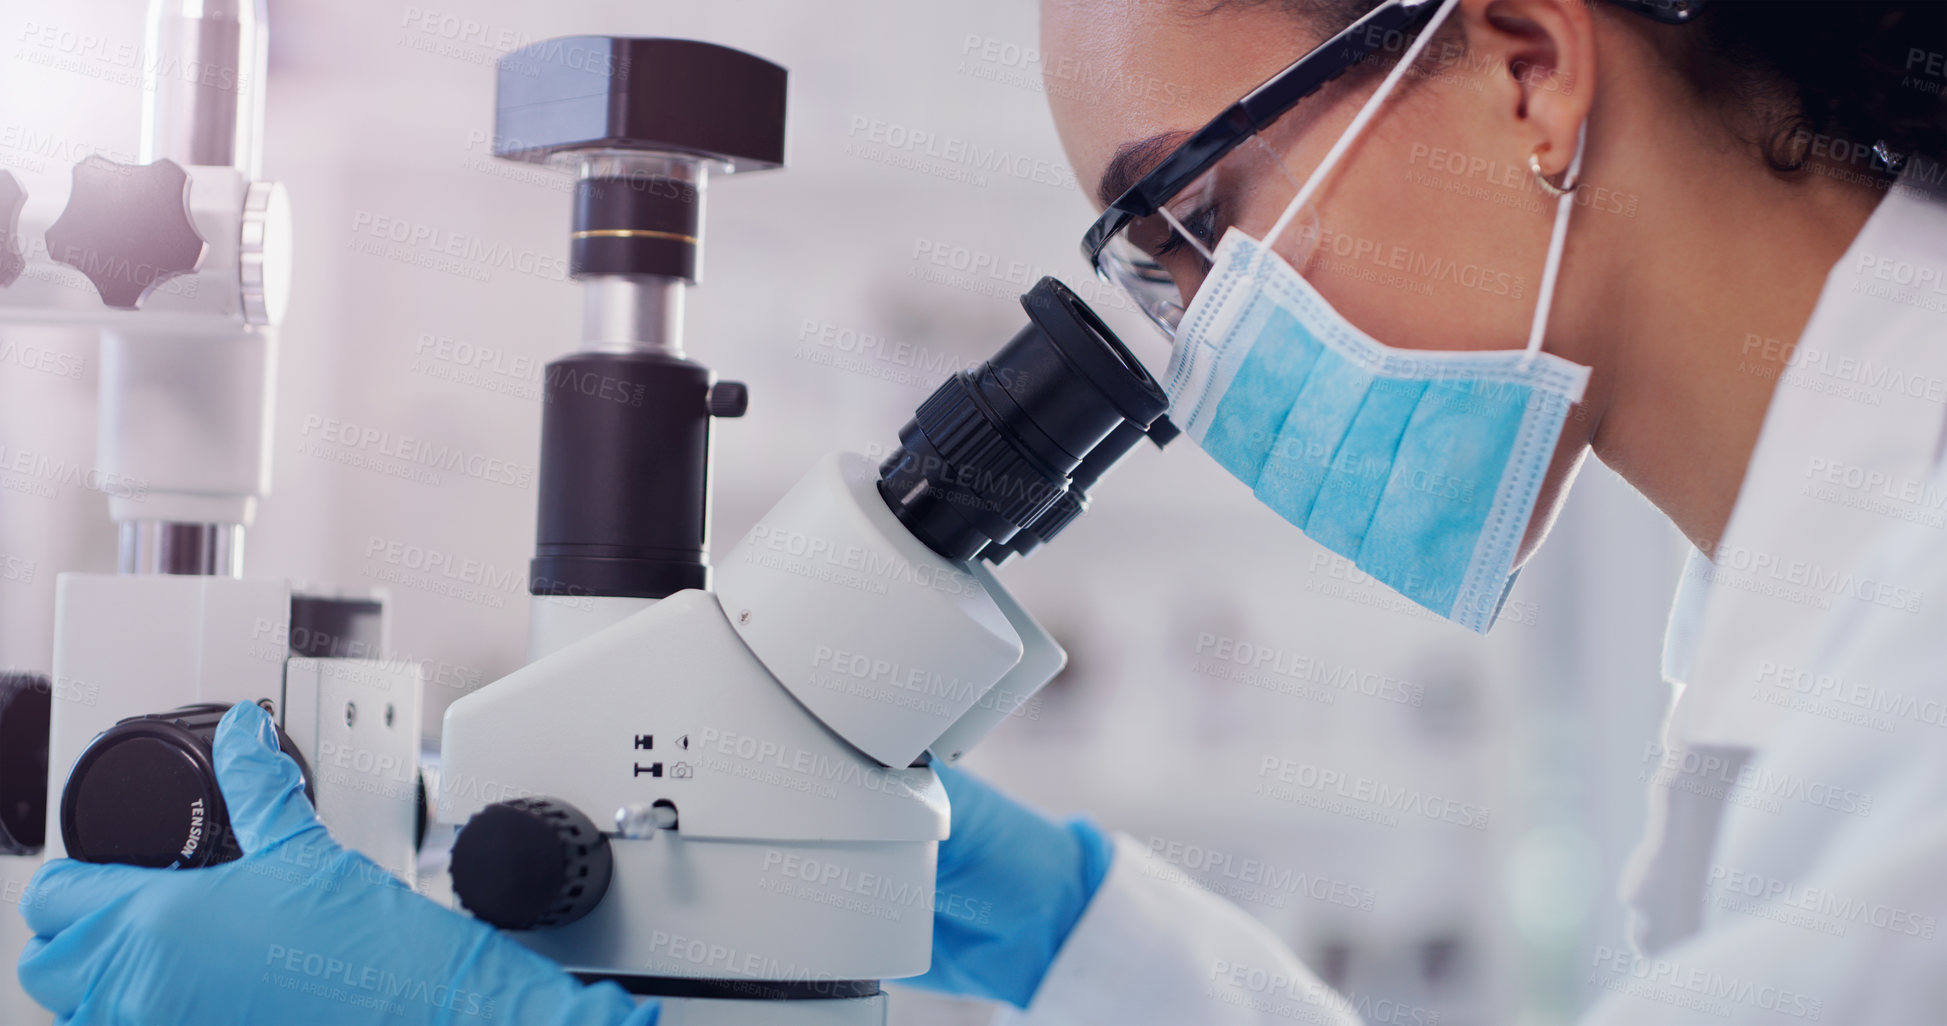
x: 1556, y: 242
x: 1358, y: 125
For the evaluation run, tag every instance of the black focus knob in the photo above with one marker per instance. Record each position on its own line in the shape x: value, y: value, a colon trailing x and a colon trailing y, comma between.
x: 729, y: 399
x: 25, y: 704
x: 144, y: 793
x: 530, y: 863
x: 127, y: 227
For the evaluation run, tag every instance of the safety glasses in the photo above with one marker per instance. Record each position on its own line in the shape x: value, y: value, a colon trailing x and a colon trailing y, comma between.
x: 1153, y: 240
x: 1131, y: 244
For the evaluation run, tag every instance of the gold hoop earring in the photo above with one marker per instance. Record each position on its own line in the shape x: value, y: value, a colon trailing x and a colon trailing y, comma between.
x: 1554, y: 191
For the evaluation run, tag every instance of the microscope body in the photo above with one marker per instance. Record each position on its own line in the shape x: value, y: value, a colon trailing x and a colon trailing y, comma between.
x: 711, y: 784
x: 783, y: 721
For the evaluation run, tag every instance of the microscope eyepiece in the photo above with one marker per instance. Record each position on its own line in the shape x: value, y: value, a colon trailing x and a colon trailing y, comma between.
x: 1004, y: 447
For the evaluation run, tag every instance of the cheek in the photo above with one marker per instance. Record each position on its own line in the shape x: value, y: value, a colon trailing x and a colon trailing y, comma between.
x: 1419, y: 261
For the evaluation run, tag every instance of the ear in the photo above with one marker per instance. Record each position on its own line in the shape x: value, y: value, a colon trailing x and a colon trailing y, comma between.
x: 1542, y: 55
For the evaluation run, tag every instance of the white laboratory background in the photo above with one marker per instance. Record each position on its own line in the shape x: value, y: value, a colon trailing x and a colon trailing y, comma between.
x: 1236, y: 696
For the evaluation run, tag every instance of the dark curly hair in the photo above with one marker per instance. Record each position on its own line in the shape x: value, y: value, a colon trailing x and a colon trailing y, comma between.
x: 1858, y: 82
x: 1851, y: 80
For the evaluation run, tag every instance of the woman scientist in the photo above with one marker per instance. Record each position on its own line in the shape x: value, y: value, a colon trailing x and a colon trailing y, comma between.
x: 1741, y: 307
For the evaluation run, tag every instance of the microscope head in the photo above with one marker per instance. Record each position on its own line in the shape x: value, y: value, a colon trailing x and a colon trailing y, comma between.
x: 863, y: 591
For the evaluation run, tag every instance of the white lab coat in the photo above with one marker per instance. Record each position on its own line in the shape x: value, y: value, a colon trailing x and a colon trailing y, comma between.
x: 1795, y: 865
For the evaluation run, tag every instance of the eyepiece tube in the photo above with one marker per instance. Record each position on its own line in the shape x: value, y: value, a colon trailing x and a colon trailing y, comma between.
x: 996, y: 448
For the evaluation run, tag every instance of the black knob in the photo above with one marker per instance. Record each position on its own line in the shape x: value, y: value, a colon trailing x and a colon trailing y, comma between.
x: 12, y: 198
x: 529, y: 863
x: 25, y: 703
x: 729, y: 399
x: 127, y: 227
x: 144, y: 793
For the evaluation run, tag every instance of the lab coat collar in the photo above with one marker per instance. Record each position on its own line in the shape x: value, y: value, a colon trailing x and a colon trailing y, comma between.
x: 1854, y: 423
x: 1863, y: 399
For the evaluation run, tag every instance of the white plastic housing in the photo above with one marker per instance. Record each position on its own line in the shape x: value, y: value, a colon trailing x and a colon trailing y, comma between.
x: 556, y: 621
x: 243, y: 245
x: 1041, y: 659
x: 356, y: 721
x: 881, y: 638
x: 669, y: 705
x: 186, y: 424
x: 188, y: 377
x: 130, y: 645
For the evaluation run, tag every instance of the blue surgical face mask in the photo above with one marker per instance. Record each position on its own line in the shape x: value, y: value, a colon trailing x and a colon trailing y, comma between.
x: 1422, y: 467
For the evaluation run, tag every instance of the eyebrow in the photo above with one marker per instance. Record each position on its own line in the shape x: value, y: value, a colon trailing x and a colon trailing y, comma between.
x: 1132, y: 160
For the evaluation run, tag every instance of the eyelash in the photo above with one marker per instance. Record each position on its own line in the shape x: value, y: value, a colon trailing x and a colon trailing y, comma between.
x: 1201, y: 221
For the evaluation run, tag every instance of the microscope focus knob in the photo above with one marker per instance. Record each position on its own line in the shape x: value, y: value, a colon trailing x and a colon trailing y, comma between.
x: 144, y: 792
x: 127, y: 227
x: 729, y: 399
x: 530, y: 863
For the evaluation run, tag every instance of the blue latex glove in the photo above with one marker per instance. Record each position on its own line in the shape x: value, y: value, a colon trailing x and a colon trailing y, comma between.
x: 298, y: 932
x: 1011, y: 885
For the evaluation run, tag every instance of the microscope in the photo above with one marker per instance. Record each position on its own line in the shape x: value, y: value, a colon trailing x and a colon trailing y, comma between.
x: 182, y: 262
x: 713, y: 785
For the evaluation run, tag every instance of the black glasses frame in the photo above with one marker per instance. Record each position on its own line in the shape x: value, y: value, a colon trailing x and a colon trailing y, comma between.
x: 1282, y: 91
x: 1255, y: 112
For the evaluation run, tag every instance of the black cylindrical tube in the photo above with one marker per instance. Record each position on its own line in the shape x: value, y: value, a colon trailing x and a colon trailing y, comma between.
x: 625, y: 477
x: 1074, y: 502
x: 636, y: 224
x: 993, y: 449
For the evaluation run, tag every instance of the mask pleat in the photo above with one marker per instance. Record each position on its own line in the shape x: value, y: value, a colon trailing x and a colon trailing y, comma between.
x: 1312, y: 432
x: 1422, y: 478
x: 1261, y: 394
x: 1357, y: 476
x: 1450, y: 463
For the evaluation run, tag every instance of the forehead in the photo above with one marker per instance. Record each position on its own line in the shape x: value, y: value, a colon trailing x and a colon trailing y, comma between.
x: 1119, y: 72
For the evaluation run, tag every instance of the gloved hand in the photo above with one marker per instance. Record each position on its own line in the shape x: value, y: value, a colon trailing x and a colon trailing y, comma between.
x: 1011, y: 885
x: 298, y: 932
